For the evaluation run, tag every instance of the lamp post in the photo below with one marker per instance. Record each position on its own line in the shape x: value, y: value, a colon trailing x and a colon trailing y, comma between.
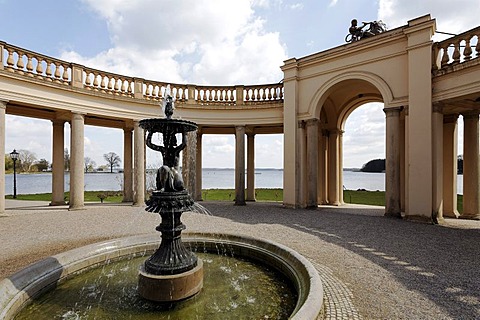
x: 14, y: 156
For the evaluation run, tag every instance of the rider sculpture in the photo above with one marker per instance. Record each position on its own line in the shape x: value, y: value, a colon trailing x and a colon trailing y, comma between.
x: 357, y: 33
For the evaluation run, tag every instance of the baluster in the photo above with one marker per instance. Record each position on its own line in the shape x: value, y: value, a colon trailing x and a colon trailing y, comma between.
x: 232, y: 97
x: 216, y: 95
x: 124, y: 87
x: 275, y: 93
x: 456, y: 52
x: 445, y: 57
x: 96, y: 82
x: 467, y: 52
x: 29, y: 66
x: 280, y: 93
x: 177, y: 93
x: 104, y: 83
x: 110, y: 83
x: 39, y: 69
x: 48, y: 71
x: 246, y: 95
x: 57, y: 72
x: 149, y: 90
x: 477, y: 47
x: 117, y: 85
x: 10, y: 61
x: 130, y: 90
x: 257, y: 94
x: 88, y: 81
x: 65, y: 73
x: 20, y: 64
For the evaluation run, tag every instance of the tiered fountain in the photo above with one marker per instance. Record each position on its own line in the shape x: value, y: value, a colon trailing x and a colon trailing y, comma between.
x: 173, y: 272
x: 96, y: 281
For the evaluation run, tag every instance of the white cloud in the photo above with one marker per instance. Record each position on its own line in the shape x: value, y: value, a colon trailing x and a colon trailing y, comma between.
x: 333, y: 3
x: 214, y: 42
x: 453, y: 17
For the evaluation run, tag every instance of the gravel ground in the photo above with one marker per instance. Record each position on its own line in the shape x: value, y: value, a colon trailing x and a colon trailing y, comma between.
x: 386, y: 268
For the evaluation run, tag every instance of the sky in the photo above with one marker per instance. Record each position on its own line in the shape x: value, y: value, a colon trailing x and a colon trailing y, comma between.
x: 210, y: 42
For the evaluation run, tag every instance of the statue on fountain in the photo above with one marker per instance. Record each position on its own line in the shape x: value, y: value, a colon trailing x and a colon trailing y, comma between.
x: 168, y: 177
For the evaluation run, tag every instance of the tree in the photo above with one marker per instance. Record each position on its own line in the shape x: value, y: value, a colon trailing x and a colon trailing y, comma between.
x: 66, y: 160
x: 8, y: 162
x: 377, y: 165
x: 89, y: 164
x: 26, y: 159
x: 113, y: 160
x: 42, y: 165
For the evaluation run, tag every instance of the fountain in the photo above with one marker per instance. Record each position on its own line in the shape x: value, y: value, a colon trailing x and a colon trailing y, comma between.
x: 171, y: 279
x: 173, y: 272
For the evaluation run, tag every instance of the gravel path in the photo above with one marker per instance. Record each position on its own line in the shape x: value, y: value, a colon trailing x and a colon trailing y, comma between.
x: 372, y: 267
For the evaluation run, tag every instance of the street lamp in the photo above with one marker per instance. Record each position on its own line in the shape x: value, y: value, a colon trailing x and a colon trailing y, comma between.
x: 14, y: 156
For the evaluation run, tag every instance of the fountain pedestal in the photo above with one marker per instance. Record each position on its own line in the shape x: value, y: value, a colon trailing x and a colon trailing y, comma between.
x: 173, y: 272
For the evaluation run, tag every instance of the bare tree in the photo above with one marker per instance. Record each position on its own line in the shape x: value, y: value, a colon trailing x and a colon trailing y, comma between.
x: 27, y: 160
x: 66, y: 160
x: 113, y: 160
x: 89, y: 164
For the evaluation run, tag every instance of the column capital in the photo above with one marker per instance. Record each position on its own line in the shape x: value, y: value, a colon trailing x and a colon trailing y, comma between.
x: 337, y: 132
x: 240, y: 129
x: 3, y: 104
x: 437, y: 107
x: 312, y: 122
x: 472, y: 114
x: 393, y: 111
x: 301, y: 124
x: 450, y: 118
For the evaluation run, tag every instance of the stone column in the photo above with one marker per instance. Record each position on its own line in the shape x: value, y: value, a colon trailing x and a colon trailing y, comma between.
x: 250, y: 167
x: 77, y: 173
x: 312, y: 163
x: 471, y: 172
x: 127, y: 165
x: 301, y: 164
x: 3, y: 107
x: 139, y: 165
x: 450, y: 169
x: 198, y: 168
x: 240, y: 165
x: 392, y: 163
x: 340, y: 167
x: 322, y: 168
x: 58, y: 163
x: 437, y: 165
x: 333, y: 175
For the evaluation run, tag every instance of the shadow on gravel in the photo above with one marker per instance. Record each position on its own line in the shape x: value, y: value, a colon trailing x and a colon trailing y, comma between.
x: 440, y: 262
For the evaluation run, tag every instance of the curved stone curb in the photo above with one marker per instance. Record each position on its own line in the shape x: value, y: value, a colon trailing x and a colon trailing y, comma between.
x: 17, y: 290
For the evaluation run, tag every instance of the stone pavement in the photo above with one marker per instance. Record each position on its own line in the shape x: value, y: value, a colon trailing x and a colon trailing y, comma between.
x: 371, y: 267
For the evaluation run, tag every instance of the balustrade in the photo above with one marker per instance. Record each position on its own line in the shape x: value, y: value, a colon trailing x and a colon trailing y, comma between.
x: 458, y: 49
x: 33, y: 65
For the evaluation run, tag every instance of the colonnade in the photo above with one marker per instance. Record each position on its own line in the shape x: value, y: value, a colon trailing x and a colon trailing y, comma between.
x: 133, y: 159
x: 241, y: 165
x: 320, y: 154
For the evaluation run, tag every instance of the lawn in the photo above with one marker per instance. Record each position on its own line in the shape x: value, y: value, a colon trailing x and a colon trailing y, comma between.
x: 376, y: 198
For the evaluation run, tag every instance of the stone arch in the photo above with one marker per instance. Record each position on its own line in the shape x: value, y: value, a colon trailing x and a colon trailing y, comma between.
x: 322, y: 94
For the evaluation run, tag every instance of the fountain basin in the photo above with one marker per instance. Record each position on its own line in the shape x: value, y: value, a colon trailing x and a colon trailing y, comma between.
x: 17, y: 290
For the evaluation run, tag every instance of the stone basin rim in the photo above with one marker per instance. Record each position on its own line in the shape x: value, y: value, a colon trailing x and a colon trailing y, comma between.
x: 160, y: 125
x: 17, y: 290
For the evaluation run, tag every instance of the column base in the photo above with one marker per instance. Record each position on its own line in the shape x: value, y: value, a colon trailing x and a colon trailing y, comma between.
x: 57, y: 203
x: 454, y: 214
x: 76, y: 208
x: 470, y: 216
x: 240, y: 203
x: 417, y: 218
x: 393, y: 215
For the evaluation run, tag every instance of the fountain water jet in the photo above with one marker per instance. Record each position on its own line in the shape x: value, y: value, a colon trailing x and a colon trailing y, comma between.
x: 173, y: 272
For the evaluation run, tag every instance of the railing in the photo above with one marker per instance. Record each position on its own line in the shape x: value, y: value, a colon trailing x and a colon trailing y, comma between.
x: 44, y: 68
x: 458, y: 49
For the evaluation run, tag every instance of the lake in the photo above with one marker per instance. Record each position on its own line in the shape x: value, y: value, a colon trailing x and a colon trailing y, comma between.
x: 211, y: 178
